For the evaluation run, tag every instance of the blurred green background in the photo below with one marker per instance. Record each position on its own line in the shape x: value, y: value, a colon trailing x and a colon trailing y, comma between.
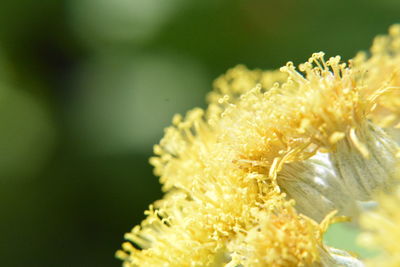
x: 87, y: 86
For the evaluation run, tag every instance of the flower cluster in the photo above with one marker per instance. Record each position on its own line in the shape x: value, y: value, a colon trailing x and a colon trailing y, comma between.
x: 257, y: 177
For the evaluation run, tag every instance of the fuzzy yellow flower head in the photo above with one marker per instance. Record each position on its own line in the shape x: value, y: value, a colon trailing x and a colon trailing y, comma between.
x: 256, y: 178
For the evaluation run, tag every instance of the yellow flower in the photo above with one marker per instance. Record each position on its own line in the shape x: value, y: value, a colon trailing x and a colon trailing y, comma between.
x: 215, y: 195
x: 381, y: 71
x: 329, y: 109
x: 312, y: 134
x: 212, y: 199
x: 230, y: 171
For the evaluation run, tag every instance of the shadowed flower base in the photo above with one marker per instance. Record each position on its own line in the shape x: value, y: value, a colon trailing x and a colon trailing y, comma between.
x: 343, y: 179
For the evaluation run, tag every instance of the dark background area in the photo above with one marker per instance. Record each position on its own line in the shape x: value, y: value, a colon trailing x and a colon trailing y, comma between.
x: 87, y: 86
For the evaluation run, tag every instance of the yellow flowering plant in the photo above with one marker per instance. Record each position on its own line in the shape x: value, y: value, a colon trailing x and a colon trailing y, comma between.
x: 257, y: 178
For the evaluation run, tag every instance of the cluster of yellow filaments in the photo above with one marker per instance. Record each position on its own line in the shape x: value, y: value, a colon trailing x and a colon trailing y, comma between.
x: 255, y: 180
x: 281, y: 238
x: 381, y: 72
